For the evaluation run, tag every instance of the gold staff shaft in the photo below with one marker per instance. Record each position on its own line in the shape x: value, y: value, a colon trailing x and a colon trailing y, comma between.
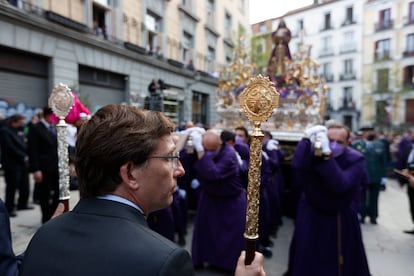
x: 258, y: 102
x: 253, y: 194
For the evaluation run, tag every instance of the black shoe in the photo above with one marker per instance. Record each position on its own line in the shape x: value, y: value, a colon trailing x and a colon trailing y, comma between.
x: 12, y: 214
x: 28, y: 207
x: 181, y: 240
x: 373, y: 221
x: 409, y: 232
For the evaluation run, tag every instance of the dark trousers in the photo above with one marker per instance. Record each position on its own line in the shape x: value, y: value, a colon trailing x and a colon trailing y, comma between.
x: 369, y: 201
x: 410, y: 192
x: 16, y: 179
x: 49, y: 194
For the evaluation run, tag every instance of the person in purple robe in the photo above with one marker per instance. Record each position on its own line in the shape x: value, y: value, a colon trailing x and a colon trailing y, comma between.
x: 220, y: 219
x: 327, y: 239
x: 276, y: 181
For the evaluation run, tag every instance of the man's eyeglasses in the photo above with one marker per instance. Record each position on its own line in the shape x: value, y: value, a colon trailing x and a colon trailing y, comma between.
x: 174, y: 159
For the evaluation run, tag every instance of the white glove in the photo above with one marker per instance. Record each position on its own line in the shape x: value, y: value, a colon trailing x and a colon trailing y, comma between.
x: 315, y: 129
x: 323, y: 138
x: 196, y: 137
x: 272, y: 145
x: 239, y: 159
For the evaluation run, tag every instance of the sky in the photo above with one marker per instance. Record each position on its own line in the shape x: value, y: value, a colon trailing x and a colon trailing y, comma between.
x: 261, y: 10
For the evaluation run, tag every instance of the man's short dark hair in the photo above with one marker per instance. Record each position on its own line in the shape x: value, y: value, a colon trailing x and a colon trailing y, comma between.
x: 47, y: 111
x: 227, y: 136
x: 113, y: 136
x: 15, y: 118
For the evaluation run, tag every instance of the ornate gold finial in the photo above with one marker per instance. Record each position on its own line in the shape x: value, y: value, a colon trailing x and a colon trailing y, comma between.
x: 258, y: 101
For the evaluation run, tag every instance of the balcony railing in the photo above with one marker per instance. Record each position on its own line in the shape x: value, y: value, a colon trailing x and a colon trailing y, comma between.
x: 408, y: 53
x: 382, y: 56
x: 347, y: 76
x: 384, y: 25
x: 348, y: 48
x: 326, y: 52
x: 326, y: 27
x: 348, y: 22
x: 408, y: 20
x: 327, y: 77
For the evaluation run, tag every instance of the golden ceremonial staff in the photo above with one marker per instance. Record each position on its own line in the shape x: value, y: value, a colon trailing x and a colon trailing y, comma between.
x: 258, y: 101
x: 61, y: 101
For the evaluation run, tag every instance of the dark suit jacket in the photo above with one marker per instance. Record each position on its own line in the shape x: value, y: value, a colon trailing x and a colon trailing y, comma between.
x: 9, y: 263
x: 102, y: 237
x: 42, y: 149
x: 13, y: 148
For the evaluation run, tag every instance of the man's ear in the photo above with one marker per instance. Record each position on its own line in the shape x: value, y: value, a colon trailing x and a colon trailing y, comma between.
x: 129, y: 175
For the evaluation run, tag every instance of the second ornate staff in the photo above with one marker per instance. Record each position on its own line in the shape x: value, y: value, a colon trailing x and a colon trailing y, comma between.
x: 258, y: 102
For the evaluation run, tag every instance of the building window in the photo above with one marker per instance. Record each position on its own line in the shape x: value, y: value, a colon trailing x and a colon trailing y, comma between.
x: 385, y: 21
x: 409, y: 77
x: 199, y: 108
x: 100, y: 24
x: 262, y: 27
x: 409, y: 111
x: 153, y: 26
x: 347, y: 102
x: 348, y: 66
x: 210, y: 59
x: 382, y: 80
x: 211, y: 8
x: 411, y: 13
x: 327, y: 71
x: 382, y: 49
x: 188, y: 4
x: 409, y: 49
x: 349, y: 17
x: 242, y: 6
x: 327, y: 21
x: 188, y: 46
x: 227, y: 26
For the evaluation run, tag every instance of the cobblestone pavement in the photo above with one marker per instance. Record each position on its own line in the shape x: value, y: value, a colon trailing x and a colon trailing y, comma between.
x: 390, y: 251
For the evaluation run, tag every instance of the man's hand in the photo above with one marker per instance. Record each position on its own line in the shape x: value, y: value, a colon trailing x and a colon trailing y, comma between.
x: 60, y: 209
x: 254, y: 269
x: 323, y: 138
x: 309, y: 132
x: 38, y: 176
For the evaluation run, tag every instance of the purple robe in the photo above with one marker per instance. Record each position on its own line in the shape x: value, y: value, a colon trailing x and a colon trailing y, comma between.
x: 327, y: 225
x: 221, y: 215
x: 162, y: 222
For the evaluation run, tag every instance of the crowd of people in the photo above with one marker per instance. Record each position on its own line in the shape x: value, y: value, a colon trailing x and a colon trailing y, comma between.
x: 138, y: 196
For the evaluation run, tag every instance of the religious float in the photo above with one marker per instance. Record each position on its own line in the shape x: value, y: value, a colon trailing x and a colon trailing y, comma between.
x: 302, y: 97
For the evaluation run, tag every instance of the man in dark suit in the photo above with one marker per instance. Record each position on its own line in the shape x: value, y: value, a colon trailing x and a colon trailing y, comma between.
x: 43, y: 158
x: 127, y: 167
x: 15, y: 160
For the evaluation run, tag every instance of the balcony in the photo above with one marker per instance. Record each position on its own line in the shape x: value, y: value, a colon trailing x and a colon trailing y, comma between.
x: 408, y: 20
x: 347, y: 76
x: 408, y: 53
x: 347, y: 105
x: 326, y: 27
x: 382, y: 56
x: 348, y: 48
x: 324, y: 52
x: 348, y: 21
x: 328, y: 77
x: 384, y: 25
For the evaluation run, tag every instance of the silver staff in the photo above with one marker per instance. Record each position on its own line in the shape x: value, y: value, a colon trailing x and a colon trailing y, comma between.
x: 61, y: 101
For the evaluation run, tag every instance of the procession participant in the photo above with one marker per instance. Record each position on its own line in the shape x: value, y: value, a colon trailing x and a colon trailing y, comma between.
x: 15, y: 163
x: 405, y: 162
x: 120, y: 184
x: 220, y: 218
x: 327, y: 237
x: 43, y: 157
x: 376, y: 165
